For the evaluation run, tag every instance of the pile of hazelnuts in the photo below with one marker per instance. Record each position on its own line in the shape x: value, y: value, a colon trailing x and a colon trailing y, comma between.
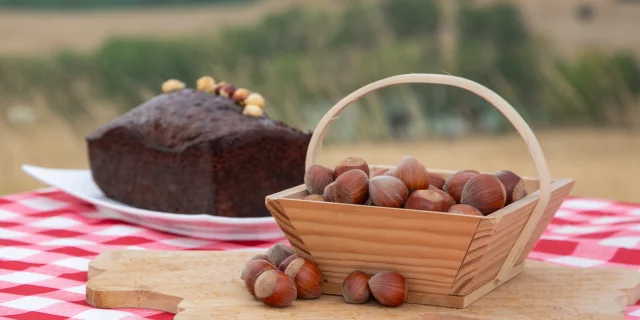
x: 279, y: 277
x: 410, y: 185
x: 387, y: 287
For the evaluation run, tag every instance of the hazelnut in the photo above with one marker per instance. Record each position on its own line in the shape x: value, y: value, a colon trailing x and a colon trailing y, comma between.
x: 513, y: 185
x: 389, y: 288
x: 448, y: 199
x: 307, y: 277
x: 485, y: 192
x: 317, y: 177
x: 275, y: 289
x: 285, y: 263
x: 240, y: 95
x: 252, y: 110
x: 456, y: 182
x: 261, y: 256
x: 388, y: 191
x: 427, y: 200
x: 219, y: 86
x: 411, y: 172
x: 252, y: 270
x: 206, y: 84
x: 227, y: 90
x: 377, y: 171
x: 355, y: 288
x: 436, y: 180
x: 352, y: 187
x: 278, y: 252
x: 172, y: 85
x: 328, y: 191
x: 351, y: 163
x: 465, y: 209
x: 255, y: 99
x: 314, y: 197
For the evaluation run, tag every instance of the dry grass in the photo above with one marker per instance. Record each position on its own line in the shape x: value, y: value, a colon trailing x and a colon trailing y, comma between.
x: 604, y: 163
x: 26, y: 32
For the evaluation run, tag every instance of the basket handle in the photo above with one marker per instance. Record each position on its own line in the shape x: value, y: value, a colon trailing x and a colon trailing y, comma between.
x: 498, y: 102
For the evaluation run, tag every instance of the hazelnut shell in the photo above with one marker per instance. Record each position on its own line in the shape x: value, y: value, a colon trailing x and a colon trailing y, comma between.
x: 285, y: 263
x: 328, y: 192
x: 448, y: 199
x: 314, y: 197
x: 307, y: 278
x: 389, y: 288
x: 351, y: 163
x: 252, y: 270
x: 456, y: 182
x: 275, y: 289
x: 513, y: 185
x: 355, y: 288
x: 351, y: 187
x: 240, y: 95
x: 316, y: 178
x: 436, y: 180
x: 377, y: 171
x: 206, y: 84
x: 427, y: 200
x: 465, y: 209
x: 388, y: 191
x: 278, y: 252
x: 255, y: 99
x: 414, y: 175
x: 260, y: 256
x: 485, y: 192
x: 172, y: 85
x: 253, y: 111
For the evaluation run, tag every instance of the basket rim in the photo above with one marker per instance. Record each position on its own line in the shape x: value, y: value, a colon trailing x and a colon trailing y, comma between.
x: 495, y: 216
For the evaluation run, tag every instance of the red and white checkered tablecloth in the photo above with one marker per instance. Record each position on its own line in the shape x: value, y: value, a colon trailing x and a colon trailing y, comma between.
x: 47, y: 239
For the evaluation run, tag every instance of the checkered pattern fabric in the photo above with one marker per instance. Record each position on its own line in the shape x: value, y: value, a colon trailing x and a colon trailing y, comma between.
x: 47, y: 239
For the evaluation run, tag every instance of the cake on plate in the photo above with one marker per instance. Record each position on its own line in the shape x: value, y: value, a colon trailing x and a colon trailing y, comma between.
x: 210, y: 150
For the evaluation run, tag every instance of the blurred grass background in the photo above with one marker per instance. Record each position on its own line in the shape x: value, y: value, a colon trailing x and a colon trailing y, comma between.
x: 67, y: 66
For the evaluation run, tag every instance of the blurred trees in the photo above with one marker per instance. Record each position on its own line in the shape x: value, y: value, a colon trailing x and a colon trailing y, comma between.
x: 94, y: 4
x: 304, y: 62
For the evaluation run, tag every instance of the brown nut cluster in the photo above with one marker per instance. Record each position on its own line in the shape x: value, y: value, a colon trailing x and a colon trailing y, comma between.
x: 387, y: 288
x: 279, y: 277
x: 252, y: 103
x: 410, y: 185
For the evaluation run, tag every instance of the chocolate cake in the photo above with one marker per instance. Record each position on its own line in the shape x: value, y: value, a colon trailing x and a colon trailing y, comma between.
x: 207, y: 151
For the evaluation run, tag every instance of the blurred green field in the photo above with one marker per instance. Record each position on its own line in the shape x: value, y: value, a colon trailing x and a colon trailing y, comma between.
x: 304, y: 56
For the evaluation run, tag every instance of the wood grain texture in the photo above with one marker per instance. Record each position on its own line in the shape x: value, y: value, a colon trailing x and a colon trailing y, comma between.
x: 494, y: 241
x: 439, y: 253
x: 426, y: 248
x: 534, y: 223
x: 283, y: 221
x: 557, y: 197
x: 205, y: 285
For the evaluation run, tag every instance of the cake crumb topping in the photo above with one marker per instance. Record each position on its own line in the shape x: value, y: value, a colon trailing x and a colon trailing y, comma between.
x: 251, y: 102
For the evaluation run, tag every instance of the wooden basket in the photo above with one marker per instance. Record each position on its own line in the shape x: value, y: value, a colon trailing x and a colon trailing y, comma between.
x: 449, y: 259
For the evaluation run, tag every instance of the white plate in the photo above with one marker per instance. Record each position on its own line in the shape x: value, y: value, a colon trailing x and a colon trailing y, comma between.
x: 80, y: 184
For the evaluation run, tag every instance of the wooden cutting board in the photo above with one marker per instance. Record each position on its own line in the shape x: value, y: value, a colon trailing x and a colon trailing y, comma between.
x: 206, y: 285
